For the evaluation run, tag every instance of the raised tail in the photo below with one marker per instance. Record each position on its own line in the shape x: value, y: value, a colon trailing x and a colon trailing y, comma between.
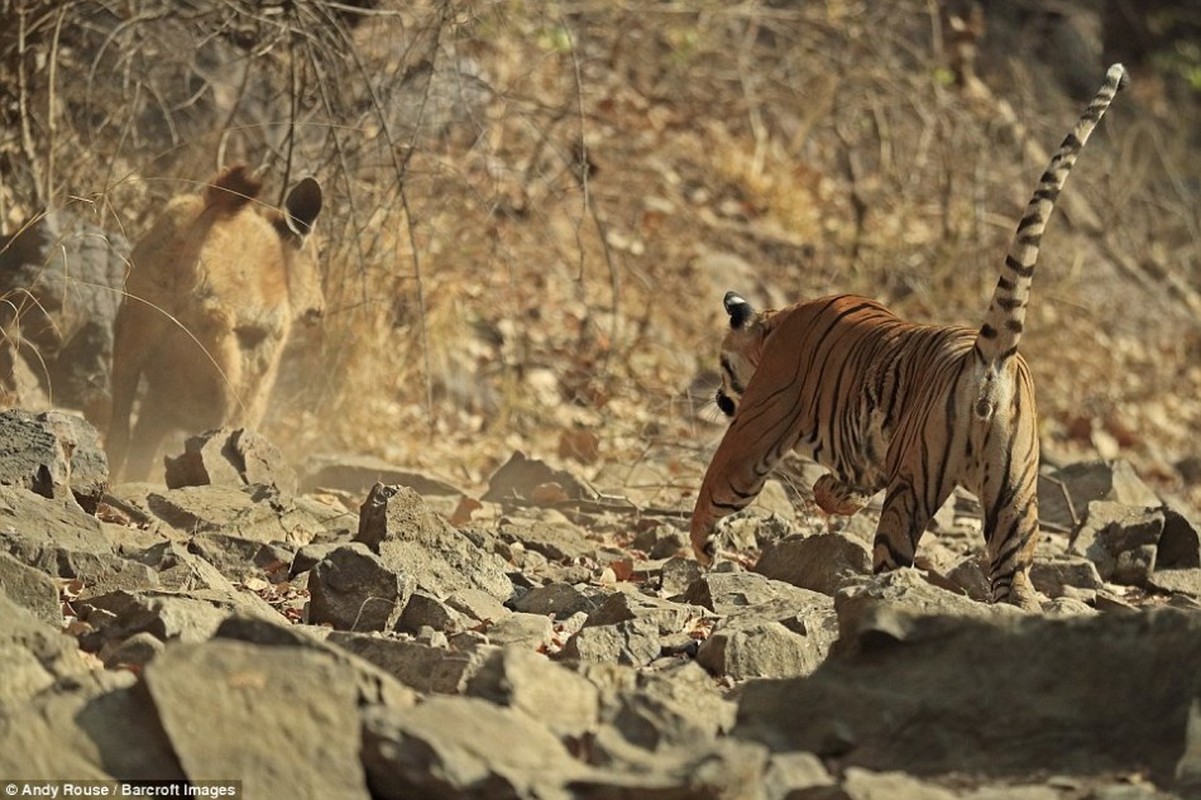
x: 1002, y: 328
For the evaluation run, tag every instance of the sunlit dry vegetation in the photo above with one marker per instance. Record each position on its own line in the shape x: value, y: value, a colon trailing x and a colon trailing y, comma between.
x: 534, y: 209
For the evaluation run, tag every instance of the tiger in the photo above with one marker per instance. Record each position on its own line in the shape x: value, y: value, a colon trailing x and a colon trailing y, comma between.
x: 886, y: 404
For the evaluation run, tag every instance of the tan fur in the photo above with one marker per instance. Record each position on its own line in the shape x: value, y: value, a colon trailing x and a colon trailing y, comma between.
x: 214, y: 289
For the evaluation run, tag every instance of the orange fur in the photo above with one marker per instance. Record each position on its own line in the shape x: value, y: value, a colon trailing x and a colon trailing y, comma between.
x: 886, y: 404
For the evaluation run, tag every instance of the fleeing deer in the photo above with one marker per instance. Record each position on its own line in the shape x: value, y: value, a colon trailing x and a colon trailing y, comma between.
x: 213, y: 292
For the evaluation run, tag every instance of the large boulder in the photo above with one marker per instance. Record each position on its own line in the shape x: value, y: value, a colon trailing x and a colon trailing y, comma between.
x: 1003, y: 696
x: 410, y: 537
x: 61, y: 277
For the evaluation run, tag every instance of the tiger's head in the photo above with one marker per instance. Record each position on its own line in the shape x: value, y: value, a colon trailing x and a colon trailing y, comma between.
x: 740, y: 350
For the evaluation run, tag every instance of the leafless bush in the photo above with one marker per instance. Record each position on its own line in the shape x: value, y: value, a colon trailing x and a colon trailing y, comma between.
x: 535, y: 208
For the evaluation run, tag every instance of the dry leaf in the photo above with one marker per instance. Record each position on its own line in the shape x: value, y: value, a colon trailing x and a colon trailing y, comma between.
x: 464, y: 510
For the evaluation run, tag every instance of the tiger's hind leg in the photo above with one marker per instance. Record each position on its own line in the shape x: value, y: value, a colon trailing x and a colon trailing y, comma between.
x: 836, y: 497
x: 1010, y: 500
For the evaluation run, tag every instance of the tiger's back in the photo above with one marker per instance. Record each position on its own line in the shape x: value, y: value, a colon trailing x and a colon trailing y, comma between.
x: 891, y: 405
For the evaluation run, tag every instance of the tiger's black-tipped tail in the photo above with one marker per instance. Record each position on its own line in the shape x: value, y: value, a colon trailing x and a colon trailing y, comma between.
x: 1002, y: 328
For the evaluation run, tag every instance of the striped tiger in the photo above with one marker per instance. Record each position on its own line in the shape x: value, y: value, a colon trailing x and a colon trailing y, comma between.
x: 891, y: 405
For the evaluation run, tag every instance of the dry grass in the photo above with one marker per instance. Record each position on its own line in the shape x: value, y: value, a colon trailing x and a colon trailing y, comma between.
x: 535, y: 208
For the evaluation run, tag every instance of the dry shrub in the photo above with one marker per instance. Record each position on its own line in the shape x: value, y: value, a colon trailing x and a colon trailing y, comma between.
x: 535, y: 208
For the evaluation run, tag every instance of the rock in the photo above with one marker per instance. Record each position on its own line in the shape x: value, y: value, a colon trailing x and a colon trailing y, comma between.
x: 860, y: 784
x: 752, y: 529
x: 566, y: 702
x: 1121, y: 540
x: 33, y: 655
x: 477, y: 605
x: 424, y: 611
x: 448, y: 747
x: 375, y: 686
x: 1087, y: 683
x: 420, y: 666
x: 309, y: 555
x: 628, y: 605
x: 44, y: 533
x: 54, y: 454
x: 737, y: 592
x: 136, y: 651
x: 353, y: 590
x: 100, y: 727
x: 823, y: 563
x: 31, y: 589
x: 528, y: 481
x: 889, y: 607
x: 239, y: 559
x: 968, y: 577
x: 632, y: 641
x: 532, y: 631
x: 62, y: 277
x: 191, y: 618
x: 652, y: 716
x: 397, y: 524
x: 1063, y: 495
x: 250, y: 512
x: 1053, y: 576
x: 177, y: 569
x: 788, y: 775
x: 721, y: 769
x: 672, y: 543
x: 557, y: 541
x: 356, y: 474
x: 758, y: 649
x: 1177, y: 581
x: 558, y: 600
x: 678, y: 574
x: 101, y: 573
x: 231, y: 457
x: 1179, y: 544
x: 259, y: 704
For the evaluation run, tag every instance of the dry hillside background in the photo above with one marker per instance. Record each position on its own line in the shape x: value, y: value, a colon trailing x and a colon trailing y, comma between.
x: 534, y: 209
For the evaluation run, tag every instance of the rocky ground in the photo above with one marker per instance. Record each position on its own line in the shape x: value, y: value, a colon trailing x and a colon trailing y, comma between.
x: 361, y: 631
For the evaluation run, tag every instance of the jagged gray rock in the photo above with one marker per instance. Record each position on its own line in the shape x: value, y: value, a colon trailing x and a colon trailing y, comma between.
x: 54, y: 454
x: 741, y: 649
x: 558, y: 540
x: 559, y: 600
x: 308, y: 697
x: 353, y: 590
x: 35, y: 655
x: 231, y: 457
x: 45, y: 533
x: 250, y: 512
x: 1088, y: 682
x: 409, y: 536
x: 632, y: 641
x: 1064, y: 494
x: 824, y: 562
x: 566, y: 702
x: 62, y: 278
x: 31, y: 589
x: 1121, y: 540
x: 423, y: 667
x: 463, y: 747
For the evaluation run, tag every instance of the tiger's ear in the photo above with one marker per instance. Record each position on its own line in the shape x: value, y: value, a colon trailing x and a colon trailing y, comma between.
x: 738, y: 308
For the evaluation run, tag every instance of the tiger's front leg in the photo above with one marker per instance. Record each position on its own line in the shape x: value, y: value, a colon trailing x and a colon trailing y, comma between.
x: 903, y: 520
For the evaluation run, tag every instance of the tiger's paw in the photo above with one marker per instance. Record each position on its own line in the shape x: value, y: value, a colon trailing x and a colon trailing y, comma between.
x: 705, y: 551
x: 835, y: 497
